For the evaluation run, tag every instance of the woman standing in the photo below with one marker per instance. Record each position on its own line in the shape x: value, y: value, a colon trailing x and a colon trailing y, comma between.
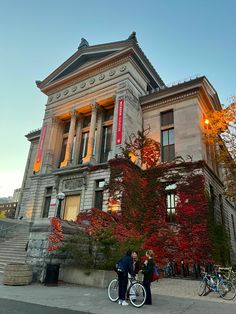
x: 147, y: 272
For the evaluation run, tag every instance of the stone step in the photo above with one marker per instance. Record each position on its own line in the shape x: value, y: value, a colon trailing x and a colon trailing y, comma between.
x: 11, y: 260
x: 12, y: 256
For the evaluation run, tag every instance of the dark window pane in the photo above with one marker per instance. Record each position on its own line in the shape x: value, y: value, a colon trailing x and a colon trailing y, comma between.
x: 233, y: 227
x: 47, y: 202
x: 106, y: 143
x: 66, y: 127
x: 98, y: 199
x: 86, y: 121
x: 63, y: 150
x: 49, y: 190
x: 83, y: 146
x: 167, y: 118
x: 171, y: 152
x: 108, y: 114
x: 165, y: 153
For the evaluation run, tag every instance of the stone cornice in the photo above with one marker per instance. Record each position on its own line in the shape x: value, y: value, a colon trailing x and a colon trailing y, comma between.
x: 168, y: 100
x: 198, y: 87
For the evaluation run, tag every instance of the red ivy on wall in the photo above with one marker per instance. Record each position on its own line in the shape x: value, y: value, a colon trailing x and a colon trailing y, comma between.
x: 56, y: 236
x: 142, y: 196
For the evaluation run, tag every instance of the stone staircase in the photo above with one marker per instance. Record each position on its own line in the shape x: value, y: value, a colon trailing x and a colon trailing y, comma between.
x: 12, y: 247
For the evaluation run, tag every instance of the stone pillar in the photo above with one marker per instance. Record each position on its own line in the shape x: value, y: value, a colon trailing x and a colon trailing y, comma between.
x: 87, y: 158
x: 78, y: 139
x: 99, y: 135
x: 50, y: 150
x: 71, y: 135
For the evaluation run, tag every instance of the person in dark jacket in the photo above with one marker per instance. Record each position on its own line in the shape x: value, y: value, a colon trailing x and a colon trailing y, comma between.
x: 127, y: 268
x: 147, y: 272
x: 136, y: 262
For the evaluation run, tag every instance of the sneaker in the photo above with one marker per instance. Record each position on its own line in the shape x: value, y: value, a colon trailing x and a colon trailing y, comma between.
x: 124, y: 303
x: 119, y: 301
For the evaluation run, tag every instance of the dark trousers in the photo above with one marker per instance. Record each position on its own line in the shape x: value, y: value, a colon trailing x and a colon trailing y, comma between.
x: 147, y: 286
x: 123, y: 282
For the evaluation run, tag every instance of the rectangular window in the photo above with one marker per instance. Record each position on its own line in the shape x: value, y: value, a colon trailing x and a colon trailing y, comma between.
x: 167, y: 118
x: 106, y: 143
x: 167, y: 136
x: 83, y: 146
x: 98, y: 199
x: 86, y: 121
x: 66, y: 127
x: 233, y: 227
x: 221, y: 209
x: 63, y: 150
x: 108, y: 114
x: 168, y: 145
x: 170, y: 204
x: 47, y: 201
x: 212, y: 199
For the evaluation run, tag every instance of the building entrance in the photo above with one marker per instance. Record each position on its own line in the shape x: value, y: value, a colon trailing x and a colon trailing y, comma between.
x: 72, y: 205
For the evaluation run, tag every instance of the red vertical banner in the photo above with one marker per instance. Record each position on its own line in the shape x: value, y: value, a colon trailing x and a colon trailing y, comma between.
x: 120, y: 121
x: 40, y: 150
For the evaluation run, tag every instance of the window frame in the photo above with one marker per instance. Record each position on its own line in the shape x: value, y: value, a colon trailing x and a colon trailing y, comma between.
x: 97, y: 191
x: 47, y: 201
x: 167, y: 127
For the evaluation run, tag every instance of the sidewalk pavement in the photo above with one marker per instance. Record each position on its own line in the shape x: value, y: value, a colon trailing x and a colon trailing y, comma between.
x: 95, y: 300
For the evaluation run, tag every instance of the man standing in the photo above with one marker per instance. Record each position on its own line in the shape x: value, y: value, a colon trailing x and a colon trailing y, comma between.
x: 124, y: 266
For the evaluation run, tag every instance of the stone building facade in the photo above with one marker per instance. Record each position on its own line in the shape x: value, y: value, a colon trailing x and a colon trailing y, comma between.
x: 96, y: 100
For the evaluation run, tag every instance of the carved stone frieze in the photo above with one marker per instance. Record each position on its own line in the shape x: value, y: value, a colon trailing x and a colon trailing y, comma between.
x: 90, y: 81
x: 73, y: 184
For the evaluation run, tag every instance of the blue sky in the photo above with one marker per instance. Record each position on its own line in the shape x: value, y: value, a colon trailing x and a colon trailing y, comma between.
x: 181, y: 38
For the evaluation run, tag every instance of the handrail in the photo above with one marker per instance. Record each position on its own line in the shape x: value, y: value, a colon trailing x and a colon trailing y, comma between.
x: 13, y: 226
x: 5, y: 231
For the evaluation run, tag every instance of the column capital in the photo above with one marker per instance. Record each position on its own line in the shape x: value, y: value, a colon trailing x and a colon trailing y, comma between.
x: 55, y: 120
x: 94, y: 106
x: 73, y: 113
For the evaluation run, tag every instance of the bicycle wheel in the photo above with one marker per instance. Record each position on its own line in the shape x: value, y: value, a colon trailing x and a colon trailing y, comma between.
x: 202, y: 288
x: 227, y: 290
x: 138, y: 296
x: 113, y: 290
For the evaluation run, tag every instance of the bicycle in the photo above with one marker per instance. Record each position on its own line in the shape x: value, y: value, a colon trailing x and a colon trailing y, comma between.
x: 217, y: 284
x: 136, y: 292
x: 228, y: 273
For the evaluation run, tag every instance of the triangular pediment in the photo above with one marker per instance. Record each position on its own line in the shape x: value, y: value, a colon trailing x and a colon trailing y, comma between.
x: 81, y: 62
x: 88, y: 57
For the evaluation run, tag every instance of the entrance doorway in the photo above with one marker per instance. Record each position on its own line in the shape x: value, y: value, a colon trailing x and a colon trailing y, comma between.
x: 72, y: 205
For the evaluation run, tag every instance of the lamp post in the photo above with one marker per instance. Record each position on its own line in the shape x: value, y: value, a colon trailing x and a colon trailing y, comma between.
x: 60, y: 197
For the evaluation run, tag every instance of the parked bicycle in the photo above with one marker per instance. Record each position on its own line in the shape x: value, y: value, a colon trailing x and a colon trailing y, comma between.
x: 217, y: 284
x: 228, y: 273
x: 136, y: 292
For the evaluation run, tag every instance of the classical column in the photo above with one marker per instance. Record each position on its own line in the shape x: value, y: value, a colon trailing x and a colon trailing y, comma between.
x: 50, y: 151
x: 78, y: 139
x: 99, y: 135
x: 70, y: 139
x: 87, y: 158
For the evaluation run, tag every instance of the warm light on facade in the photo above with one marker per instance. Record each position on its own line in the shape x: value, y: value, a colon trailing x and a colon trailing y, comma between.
x: 113, y: 205
x: 132, y: 157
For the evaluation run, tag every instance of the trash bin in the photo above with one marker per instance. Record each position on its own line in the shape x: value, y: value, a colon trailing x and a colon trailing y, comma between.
x: 52, y: 274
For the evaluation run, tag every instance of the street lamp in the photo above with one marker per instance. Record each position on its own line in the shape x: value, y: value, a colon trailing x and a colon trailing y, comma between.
x: 60, y: 197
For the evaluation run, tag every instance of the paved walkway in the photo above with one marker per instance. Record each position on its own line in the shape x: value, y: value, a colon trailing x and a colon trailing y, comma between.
x: 94, y: 300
